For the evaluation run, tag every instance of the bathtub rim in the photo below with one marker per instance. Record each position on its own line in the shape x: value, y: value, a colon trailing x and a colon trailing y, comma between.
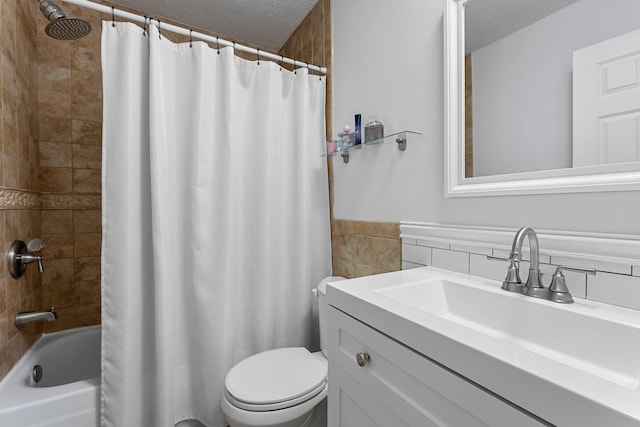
x: 13, y: 387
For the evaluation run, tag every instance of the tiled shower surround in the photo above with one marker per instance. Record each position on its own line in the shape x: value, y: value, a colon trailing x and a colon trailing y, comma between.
x: 50, y: 144
x: 70, y: 121
x: 19, y: 200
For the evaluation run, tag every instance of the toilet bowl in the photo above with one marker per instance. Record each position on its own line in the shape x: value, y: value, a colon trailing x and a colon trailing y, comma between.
x: 284, y: 387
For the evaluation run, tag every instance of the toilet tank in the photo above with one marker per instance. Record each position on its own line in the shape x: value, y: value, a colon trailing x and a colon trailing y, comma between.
x: 321, y: 292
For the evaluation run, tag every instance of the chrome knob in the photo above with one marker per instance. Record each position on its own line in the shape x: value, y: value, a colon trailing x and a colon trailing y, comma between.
x: 362, y: 359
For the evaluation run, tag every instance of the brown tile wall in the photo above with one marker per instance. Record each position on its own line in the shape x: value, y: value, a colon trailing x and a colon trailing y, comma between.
x: 19, y: 214
x: 311, y: 42
x: 362, y: 248
x: 359, y: 248
x: 70, y: 120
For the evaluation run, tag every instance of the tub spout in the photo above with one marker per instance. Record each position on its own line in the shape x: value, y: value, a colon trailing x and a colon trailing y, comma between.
x: 26, y: 317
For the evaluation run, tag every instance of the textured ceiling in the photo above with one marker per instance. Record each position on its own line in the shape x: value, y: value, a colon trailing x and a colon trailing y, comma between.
x: 263, y: 23
x: 489, y: 20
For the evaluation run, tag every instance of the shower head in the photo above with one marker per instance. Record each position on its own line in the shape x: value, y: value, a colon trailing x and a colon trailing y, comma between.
x: 61, y: 27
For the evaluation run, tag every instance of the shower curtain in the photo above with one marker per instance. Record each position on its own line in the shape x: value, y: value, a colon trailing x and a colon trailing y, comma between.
x: 215, y: 220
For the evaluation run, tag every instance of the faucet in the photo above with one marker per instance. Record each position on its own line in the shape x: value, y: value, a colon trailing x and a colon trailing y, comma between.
x: 557, y: 291
x: 533, y: 287
x: 26, y: 317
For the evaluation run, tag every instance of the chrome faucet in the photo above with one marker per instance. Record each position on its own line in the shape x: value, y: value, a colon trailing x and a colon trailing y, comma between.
x: 533, y: 287
x: 26, y: 317
x: 557, y: 291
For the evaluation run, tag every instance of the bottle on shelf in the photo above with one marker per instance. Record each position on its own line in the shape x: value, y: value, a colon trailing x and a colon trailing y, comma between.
x: 358, y: 142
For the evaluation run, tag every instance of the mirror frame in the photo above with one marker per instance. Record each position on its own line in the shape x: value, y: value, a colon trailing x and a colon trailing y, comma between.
x: 615, y: 177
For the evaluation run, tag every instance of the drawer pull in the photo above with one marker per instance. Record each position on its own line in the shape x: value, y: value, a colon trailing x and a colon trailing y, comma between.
x: 362, y: 359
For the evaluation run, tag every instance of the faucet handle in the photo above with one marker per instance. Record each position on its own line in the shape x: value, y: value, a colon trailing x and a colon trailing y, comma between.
x: 558, y: 291
x: 497, y: 258
x: 512, y: 281
x: 589, y: 271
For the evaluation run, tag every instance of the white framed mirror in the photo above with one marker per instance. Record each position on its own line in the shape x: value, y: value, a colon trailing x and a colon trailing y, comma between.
x: 541, y: 96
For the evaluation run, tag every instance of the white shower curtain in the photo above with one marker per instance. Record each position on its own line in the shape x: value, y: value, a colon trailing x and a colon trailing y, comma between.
x: 215, y: 221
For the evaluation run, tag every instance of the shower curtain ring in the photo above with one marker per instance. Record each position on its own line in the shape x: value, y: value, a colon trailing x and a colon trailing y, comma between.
x: 159, y: 31
x: 113, y: 17
x: 144, y: 26
x: 218, y: 44
x: 190, y: 38
x: 281, y: 61
x: 258, y: 56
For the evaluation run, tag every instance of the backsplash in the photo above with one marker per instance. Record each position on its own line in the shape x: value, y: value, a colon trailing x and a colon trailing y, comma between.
x: 616, y: 282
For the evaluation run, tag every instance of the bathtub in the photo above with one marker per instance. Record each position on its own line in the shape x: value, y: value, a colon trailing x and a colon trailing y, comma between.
x: 68, y: 393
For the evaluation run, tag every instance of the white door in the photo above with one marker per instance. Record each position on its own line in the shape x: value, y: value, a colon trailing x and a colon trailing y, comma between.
x: 606, y: 102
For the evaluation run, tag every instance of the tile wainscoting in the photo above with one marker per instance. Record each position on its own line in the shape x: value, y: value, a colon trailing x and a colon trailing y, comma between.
x: 465, y: 249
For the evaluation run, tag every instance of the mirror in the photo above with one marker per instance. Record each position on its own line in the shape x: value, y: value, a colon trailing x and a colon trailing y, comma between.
x: 543, y: 96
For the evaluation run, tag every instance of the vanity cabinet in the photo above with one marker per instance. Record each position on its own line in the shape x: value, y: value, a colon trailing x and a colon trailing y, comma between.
x: 398, y: 386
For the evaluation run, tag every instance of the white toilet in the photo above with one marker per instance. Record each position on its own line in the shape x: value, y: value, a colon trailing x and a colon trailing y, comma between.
x: 285, y: 387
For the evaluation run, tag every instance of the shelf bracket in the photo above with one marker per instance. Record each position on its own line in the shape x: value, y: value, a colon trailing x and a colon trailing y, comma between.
x: 402, y: 142
x: 345, y: 156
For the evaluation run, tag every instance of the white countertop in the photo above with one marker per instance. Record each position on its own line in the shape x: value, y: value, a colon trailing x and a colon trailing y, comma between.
x: 562, y: 385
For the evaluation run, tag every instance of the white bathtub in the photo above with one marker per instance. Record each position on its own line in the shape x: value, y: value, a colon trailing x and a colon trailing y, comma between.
x: 68, y: 395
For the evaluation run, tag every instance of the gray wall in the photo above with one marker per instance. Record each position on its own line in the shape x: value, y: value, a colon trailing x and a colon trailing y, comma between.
x: 388, y: 61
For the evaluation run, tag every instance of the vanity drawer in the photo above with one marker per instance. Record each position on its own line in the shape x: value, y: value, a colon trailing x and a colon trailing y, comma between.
x: 402, y: 382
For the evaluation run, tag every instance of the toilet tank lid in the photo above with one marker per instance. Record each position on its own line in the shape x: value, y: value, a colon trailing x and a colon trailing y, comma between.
x: 322, y: 286
x: 275, y: 376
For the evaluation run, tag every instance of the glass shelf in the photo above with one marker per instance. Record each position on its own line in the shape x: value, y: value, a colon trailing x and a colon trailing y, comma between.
x: 399, y: 137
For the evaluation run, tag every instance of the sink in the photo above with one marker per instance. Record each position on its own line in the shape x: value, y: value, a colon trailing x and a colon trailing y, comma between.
x: 561, y: 362
x: 576, y: 335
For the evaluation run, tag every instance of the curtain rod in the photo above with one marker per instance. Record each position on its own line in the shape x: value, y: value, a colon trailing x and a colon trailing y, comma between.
x: 194, y: 34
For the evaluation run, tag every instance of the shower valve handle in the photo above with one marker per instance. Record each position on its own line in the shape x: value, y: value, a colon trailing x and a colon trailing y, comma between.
x: 18, y: 257
x: 29, y: 258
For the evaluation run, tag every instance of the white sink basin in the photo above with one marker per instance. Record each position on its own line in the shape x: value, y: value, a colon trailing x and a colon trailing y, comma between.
x: 570, y: 364
x: 574, y: 335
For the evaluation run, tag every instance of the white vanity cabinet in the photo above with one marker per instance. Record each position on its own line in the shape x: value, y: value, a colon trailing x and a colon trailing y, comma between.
x: 398, y: 386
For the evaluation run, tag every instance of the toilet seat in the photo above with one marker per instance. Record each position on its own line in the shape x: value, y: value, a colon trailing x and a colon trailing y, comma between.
x: 276, y: 379
x: 274, y: 406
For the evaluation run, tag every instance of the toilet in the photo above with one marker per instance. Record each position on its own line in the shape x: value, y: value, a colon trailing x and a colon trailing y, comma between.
x: 284, y: 387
